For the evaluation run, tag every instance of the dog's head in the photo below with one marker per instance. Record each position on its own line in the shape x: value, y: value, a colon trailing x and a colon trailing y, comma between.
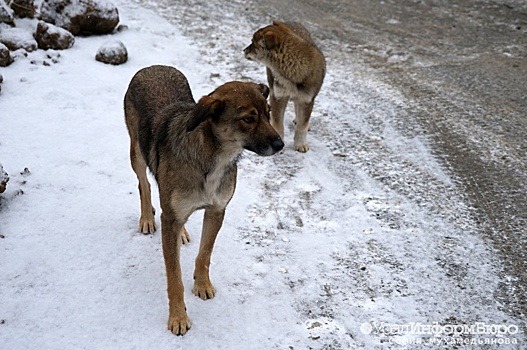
x: 265, y: 40
x: 238, y: 116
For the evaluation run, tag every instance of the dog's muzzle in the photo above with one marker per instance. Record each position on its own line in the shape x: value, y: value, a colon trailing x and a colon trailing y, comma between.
x: 274, y: 147
x: 266, y: 149
x: 247, y: 52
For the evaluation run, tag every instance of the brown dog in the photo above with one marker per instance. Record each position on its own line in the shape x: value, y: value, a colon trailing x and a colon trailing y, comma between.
x: 295, y: 70
x: 192, y: 150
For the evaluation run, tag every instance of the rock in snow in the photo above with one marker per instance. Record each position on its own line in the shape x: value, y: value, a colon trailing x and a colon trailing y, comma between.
x: 49, y: 36
x: 81, y: 16
x: 5, y: 56
x: 3, y: 179
x: 17, y: 38
x: 23, y: 8
x: 5, y: 14
x: 112, y: 52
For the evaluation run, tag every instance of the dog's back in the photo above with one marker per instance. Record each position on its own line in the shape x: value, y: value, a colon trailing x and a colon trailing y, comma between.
x: 151, y: 90
x: 157, y: 86
x: 301, y: 31
x: 311, y: 54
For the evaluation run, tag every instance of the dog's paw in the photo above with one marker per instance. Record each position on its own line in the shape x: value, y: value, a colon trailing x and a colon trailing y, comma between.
x: 204, y: 290
x: 300, y: 140
x: 147, y: 224
x: 179, y: 324
x: 302, y: 147
x: 185, y: 236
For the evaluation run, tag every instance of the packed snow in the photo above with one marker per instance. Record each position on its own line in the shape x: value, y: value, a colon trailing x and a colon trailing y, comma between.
x: 329, y: 249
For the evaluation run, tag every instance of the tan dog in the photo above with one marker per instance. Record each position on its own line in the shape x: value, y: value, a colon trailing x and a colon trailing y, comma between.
x: 192, y: 150
x: 295, y: 70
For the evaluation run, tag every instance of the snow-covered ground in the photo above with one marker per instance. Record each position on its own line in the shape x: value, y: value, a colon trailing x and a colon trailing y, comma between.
x: 338, y: 248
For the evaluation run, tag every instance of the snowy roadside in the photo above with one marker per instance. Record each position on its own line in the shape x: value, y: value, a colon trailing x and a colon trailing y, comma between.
x: 364, y: 231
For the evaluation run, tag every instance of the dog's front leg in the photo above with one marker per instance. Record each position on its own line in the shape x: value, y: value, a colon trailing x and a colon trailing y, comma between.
x: 303, y: 114
x: 212, y: 221
x: 178, y: 321
x: 278, y: 106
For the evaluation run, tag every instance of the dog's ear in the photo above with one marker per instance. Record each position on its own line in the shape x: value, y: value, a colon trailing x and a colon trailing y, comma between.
x: 270, y: 39
x: 263, y: 89
x: 207, y: 107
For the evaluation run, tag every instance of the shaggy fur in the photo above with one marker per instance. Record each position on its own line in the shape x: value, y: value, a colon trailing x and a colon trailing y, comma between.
x: 295, y: 70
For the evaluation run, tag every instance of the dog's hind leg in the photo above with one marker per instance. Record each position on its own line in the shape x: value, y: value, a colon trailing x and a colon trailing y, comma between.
x: 147, y: 222
x: 212, y: 222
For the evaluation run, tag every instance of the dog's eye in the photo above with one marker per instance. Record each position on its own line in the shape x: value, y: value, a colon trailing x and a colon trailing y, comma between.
x: 249, y: 120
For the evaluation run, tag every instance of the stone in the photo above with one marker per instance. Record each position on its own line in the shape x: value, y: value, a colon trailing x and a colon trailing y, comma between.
x: 84, y: 17
x: 5, y: 56
x: 49, y: 36
x: 112, y: 52
x: 3, y: 179
x: 5, y: 14
x: 23, y: 8
x: 17, y: 38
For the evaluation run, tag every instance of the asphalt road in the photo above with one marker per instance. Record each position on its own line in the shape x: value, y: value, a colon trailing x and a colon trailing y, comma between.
x: 462, y: 68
